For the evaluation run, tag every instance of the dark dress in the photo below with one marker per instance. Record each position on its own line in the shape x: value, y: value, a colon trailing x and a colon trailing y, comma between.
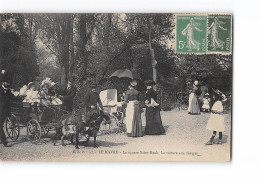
x: 153, y: 118
x: 5, y: 99
x: 133, y: 114
x: 68, y: 96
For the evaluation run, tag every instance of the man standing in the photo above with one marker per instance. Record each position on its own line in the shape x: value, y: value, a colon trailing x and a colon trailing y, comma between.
x: 5, y: 111
x: 92, y: 99
x: 68, y: 92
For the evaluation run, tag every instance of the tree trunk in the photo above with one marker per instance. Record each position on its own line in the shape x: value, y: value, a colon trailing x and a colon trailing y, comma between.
x: 64, y: 47
x: 153, y: 61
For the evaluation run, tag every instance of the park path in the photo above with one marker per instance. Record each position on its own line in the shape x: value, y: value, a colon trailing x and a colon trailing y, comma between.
x: 184, y: 141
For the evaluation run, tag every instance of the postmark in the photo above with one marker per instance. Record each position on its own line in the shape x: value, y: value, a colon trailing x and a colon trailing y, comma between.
x: 191, y: 33
x: 219, y: 33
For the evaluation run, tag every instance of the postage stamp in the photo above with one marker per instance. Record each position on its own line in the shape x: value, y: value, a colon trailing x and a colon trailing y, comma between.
x: 219, y: 33
x: 191, y: 33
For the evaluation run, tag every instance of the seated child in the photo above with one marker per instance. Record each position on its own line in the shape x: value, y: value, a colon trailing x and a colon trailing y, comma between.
x: 32, y: 96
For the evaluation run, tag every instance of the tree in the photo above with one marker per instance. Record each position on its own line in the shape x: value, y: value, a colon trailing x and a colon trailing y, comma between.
x: 19, y: 51
x: 55, y: 31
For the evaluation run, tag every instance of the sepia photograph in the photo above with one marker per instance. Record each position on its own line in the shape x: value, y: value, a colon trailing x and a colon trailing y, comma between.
x: 116, y: 87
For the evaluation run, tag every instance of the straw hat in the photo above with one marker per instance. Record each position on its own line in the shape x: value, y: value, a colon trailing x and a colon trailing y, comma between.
x: 30, y: 85
x: 218, y: 92
x: 133, y: 83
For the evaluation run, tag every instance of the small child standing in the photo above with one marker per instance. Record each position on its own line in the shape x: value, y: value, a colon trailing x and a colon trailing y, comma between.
x: 206, y: 100
x: 216, y: 121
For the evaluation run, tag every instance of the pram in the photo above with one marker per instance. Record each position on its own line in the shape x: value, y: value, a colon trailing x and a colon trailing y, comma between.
x: 113, y: 107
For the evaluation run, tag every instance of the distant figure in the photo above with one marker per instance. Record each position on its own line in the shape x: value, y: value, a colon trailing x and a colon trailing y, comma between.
x: 216, y: 121
x: 68, y: 92
x: 188, y: 31
x: 194, y: 107
x: 203, y: 90
x: 133, y: 112
x: 153, y: 117
x: 206, y: 103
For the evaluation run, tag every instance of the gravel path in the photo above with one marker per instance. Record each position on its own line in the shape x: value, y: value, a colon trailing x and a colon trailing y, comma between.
x: 184, y: 141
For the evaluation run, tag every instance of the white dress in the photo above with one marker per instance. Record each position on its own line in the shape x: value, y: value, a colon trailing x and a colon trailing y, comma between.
x: 32, y: 96
x: 205, y: 103
x: 216, y: 121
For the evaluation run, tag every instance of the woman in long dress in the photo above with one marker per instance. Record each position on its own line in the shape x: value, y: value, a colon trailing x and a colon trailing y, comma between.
x: 133, y: 112
x: 194, y: 107
x: 153, y: 118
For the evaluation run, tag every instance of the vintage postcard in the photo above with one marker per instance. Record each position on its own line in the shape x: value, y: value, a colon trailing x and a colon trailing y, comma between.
x: 116, y: 87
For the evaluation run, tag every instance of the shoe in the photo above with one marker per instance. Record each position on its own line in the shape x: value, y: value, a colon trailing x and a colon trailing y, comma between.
x: 6, y: 144
x: 219, y: 142
x: 209, y: 143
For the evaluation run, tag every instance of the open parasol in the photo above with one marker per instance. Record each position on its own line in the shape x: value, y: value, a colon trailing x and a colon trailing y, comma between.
x: 125, y: 73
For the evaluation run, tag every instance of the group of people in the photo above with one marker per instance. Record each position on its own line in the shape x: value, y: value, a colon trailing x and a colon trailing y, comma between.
x: 47, y: 94
x: 52, y: 94
x: 133, y: 111
x: 204, y: 103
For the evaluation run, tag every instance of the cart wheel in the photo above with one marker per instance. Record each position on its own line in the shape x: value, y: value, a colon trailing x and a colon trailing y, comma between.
x: 34, y: 131
x: 45, y: 130
x: 12, y: 127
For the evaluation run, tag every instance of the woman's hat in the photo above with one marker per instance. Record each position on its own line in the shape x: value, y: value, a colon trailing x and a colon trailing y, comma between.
x: 30, y: 85
x: 222, y: 95
x: 133, y: 83
x: 149, y: 82
x: 207, y: 94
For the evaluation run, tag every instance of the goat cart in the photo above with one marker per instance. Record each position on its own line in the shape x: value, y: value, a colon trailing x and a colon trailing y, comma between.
x: 38, y: 120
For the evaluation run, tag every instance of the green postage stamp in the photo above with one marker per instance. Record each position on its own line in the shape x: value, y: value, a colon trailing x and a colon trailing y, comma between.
x: 219, y: 33
x: 203, y: 33
x: 191, y: 33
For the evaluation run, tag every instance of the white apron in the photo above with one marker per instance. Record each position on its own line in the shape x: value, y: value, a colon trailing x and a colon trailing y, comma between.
x: 129, y: 116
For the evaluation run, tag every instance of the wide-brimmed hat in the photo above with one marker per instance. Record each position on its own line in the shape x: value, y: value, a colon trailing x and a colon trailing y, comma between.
x: 46, y: 82
x: 207, y: 94
x: 133, y: 83
x: 222, y: 95
x: 30, y: 85
x: 149, y: 82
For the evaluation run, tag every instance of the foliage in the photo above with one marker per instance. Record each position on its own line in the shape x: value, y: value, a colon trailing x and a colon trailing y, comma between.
x: 19, y: 52
x: 90, y: 47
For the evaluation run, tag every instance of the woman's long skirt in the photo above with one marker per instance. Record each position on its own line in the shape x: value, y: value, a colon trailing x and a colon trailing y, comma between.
x: 153, y: 121
x: 133, y: 119
x: 194, y: 107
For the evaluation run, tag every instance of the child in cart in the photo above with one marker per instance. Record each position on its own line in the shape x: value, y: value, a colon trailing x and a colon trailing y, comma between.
x: 216, y: 121
x: 31, y: 96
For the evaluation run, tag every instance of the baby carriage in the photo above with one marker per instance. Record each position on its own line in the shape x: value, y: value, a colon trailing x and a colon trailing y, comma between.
x: 112, y: 107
